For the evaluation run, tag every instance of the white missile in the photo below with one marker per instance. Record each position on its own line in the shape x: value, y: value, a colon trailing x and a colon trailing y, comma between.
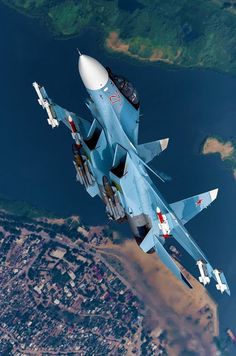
x: 108, y: 207
x: 163, y: 223
x: 221, y: 286
x: 37, y: 89
x: 88, y: 174
x: 79, y: 174
x: 84, y: 177
x: 46, y: 105
x: 114, y: 213
x: 52, y: 121
x: 204, y: 275
x: 119, y: 206
x: 74, y: 132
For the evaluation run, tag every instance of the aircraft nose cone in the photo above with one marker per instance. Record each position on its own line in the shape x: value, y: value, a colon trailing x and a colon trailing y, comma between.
x: 93, y: 74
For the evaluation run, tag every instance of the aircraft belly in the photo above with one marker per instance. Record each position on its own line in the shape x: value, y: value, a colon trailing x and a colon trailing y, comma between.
x: 101, y: 162
x: 136, y: 198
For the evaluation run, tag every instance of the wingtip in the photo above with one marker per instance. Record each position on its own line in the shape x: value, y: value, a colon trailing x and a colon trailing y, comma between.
x: 35, y: 84
x: 213, y: 194
x: 164, y: 143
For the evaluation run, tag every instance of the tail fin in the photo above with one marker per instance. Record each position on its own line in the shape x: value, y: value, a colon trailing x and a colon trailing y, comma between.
x: 186, y: 209
x: 147, y: 151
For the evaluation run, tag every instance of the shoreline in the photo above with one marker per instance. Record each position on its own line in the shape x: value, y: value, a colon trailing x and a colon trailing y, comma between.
x: 154, y: 59
x: 116, y: 45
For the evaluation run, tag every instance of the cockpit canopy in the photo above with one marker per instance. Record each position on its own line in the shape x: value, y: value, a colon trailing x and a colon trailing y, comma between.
x: 126, y: 88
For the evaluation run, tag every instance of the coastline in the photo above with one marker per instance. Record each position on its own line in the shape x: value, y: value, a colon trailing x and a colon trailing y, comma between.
x: 119, y: 46
x: 115, y: 44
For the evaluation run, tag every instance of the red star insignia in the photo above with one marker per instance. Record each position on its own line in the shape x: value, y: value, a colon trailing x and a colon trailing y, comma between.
x: 199, y: 202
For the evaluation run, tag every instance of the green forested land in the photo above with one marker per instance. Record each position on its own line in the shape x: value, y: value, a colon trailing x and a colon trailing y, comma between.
x: 189, y: 33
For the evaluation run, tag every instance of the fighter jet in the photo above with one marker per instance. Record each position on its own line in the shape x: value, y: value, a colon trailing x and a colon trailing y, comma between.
x: 111, y: 164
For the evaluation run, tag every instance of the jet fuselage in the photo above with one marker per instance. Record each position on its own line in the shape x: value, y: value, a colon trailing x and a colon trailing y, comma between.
x: 111, y: 163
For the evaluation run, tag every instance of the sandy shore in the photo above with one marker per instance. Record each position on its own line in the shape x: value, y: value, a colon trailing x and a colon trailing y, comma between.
x: 114, y: 43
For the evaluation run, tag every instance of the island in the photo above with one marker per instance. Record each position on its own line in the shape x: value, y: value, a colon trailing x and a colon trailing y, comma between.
x: 226, y: 150
x: 68, y: 288
x: 183, y: 33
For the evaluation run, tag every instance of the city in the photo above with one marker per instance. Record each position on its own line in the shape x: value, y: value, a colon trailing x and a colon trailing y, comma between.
x: 59, y: 296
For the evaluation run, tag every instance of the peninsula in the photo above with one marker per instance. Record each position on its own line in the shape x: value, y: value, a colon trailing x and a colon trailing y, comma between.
x: 183, y: 33
x: 226, y: 150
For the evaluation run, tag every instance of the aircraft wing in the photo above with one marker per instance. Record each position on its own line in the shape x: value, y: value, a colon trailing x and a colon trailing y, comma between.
x: 176, y: 227
x: 186, y: 209
x: 182, y: 236
x: 82, y: 130
x: 154, y: 238
x: 56, y: 113
x: 186, y: 241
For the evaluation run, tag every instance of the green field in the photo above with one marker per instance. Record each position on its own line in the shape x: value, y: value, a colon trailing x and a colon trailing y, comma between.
x: 185, y: 33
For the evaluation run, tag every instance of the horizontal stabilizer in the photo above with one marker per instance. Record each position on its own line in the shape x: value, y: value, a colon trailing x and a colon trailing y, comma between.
x: 186, y: 209
x: 147, y: 151
x: 169, y: 262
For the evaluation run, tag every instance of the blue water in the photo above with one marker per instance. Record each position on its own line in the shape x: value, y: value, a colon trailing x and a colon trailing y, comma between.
x: 36, y: 161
